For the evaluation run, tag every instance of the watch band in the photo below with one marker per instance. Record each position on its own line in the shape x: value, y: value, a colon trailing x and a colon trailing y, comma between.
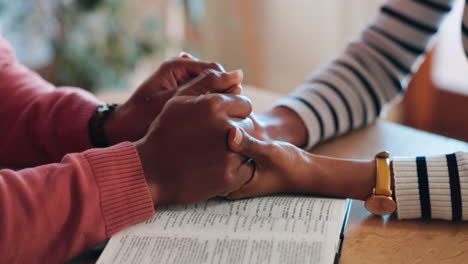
x: 96, y: 132
x: 380, y: 202
x: 383, y: 178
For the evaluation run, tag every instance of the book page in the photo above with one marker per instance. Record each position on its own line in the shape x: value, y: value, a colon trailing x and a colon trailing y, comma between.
x: 273, y: 229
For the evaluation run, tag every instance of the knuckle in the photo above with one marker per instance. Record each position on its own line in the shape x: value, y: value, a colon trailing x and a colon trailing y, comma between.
x: 214, y: 103
x: 215, y: 98
x: 167, y: 64
x: 211, y: 75
x: 241, y: 99
x: 244, y: 98
x: 247, y: 102
x: 225, y: 76
x: 215, y: 65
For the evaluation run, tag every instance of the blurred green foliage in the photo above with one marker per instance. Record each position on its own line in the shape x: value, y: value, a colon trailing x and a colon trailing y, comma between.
x: 98, y: 46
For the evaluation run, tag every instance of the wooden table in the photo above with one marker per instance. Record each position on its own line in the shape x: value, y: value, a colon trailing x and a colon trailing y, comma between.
x: 370, y: 239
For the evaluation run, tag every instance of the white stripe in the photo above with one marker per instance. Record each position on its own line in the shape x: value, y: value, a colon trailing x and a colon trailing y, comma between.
x: 358, y: 90
x: 388, y: 65
x: 402, y: 30
x: 407, y: 195
x: 338, y: 106
x: 390, y: 48
x: 416, y: 11
x: 439, y: 187
x: 350, y: 97
x: 310, y: 121
x: 359, y: 86
x: 378, y: 72
x: 462, y: 158
x: 376, y: 87
x: 321, y: 108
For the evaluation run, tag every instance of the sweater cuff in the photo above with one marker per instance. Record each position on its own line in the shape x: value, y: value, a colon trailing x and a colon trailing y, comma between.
x: 124, y: 194
x: 432, y: 187
x: 310, y: 121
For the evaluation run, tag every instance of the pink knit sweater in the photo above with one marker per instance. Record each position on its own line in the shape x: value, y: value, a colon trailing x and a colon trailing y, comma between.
x: 50, y: 213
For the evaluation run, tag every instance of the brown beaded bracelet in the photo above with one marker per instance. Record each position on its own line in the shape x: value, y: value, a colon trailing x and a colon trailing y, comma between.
x: 96, y: 131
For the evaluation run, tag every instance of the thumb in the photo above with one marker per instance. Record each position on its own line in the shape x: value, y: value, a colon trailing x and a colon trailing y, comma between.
x: 242, y: 143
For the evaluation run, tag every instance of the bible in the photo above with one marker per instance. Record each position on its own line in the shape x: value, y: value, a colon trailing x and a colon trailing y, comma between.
x: 270, y: 229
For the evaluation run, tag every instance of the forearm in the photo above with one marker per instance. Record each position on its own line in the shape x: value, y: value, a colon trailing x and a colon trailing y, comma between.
x: 39, y: 123
x: 54, y: 212
x: 350, y: 92
x: 338, y: 177
x: 424, y: 187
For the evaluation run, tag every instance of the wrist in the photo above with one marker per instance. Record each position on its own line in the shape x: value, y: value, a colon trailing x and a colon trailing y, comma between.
x: 340, y: 177
x: 305, y: 178
x: 283, y: 124
x: 312, y: 179
x: 131, y: 120
x: 113, y: 126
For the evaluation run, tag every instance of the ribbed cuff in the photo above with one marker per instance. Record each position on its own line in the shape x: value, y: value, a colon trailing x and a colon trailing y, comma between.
x: 124, y: 193
x: 310, y: 121
x: 432, y: 187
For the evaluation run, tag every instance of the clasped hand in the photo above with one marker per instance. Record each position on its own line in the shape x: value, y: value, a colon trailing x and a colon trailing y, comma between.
x: 184, y: 154
x: 182, y: 120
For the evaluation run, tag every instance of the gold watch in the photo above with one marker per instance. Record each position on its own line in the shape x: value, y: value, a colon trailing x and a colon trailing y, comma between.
x: 381, y: 201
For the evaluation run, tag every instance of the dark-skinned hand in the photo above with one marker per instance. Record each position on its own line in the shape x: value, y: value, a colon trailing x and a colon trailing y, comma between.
x: 130, y: 121
x: 184, y: 154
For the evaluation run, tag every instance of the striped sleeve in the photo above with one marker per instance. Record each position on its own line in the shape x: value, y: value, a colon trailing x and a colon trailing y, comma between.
x: 432, y: 187
x: 350, y: 92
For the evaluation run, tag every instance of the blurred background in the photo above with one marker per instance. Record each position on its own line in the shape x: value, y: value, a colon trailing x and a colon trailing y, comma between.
x: 100, y: 45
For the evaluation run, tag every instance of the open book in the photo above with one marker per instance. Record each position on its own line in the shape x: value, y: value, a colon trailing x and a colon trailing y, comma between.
x: 272, y: 229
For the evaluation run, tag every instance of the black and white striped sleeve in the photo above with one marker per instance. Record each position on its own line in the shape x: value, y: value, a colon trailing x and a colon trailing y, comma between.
x: 350, y: 92
x: 432, y: 187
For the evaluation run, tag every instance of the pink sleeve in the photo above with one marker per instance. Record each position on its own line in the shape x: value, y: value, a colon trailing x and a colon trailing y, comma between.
x: 39, y: 123
x: 52, y: 213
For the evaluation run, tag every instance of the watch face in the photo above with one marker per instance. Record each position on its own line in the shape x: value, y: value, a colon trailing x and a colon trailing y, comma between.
x: 380, y: 205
